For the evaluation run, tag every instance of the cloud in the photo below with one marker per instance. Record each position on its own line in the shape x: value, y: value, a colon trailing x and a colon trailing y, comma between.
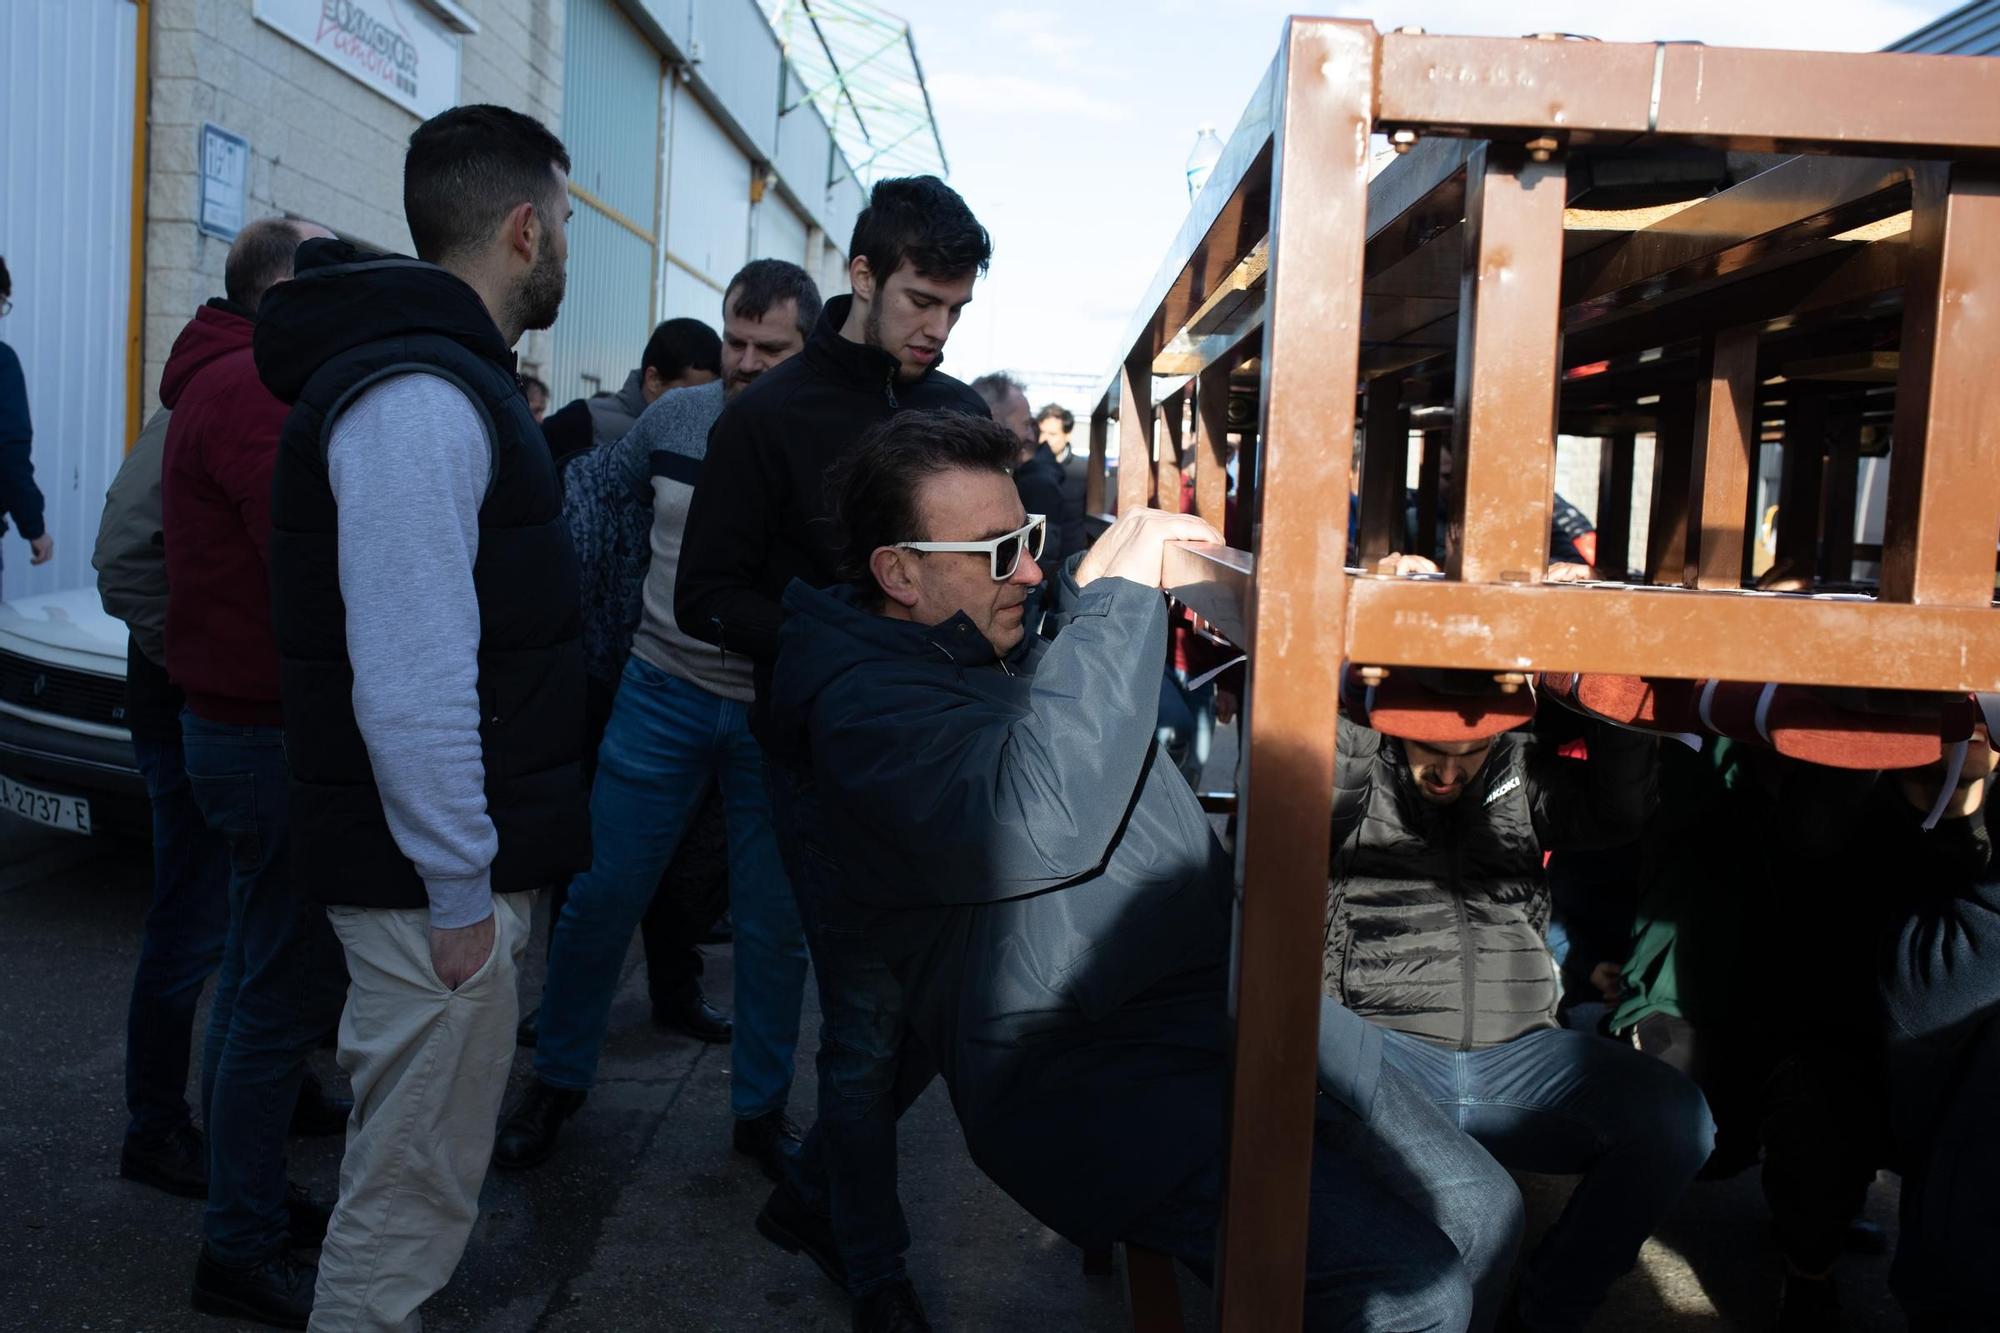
x: 1016, y: 94
x: 1044, y: 36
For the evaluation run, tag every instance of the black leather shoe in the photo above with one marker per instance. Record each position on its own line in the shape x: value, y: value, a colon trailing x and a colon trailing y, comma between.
x: 891, y: 1309
x: 317, y: 1115
x: 277, y: 1293
x: 794, y: 1228
x: 696, y: 1017
x: 768, y: 1139
x: 529, y: 1031
x: 305, y: 1218
x: 528, y: 1135
x: 178, y: 1164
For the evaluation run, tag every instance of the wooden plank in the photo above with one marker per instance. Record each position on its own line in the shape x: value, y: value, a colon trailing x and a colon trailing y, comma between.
x: 1673, y: 451
x: 1503, y: 457
x: 1211, y: 445
x: 1093, y: 485
x: 1385, y: 461
x: 1724, y: 455
x: 1673, y: 632
x: 1944, y: 481
x: 1135, y: 434
x: 1167, y: 481
x: 1843, y: 485
x: 1802, y: 468
x: 1616, y: 455
x: 1311, y: 349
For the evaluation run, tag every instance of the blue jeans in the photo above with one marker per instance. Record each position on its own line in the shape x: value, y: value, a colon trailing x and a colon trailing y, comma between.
x: 665, y: 742
x: 870, y: 1066
x: 180, y: 950
x: 282, y: 983
x: 1559, y: 1102
x: 1411, y: 1224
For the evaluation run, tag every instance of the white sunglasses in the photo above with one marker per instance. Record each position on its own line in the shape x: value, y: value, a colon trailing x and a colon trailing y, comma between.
x: 1004, y: 552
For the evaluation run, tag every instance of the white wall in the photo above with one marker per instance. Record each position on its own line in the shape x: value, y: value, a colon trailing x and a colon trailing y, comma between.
x: 708, y: 212
x: 66, y: 89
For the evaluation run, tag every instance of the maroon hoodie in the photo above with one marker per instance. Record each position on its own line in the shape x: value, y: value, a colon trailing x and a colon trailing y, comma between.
x: 215, y: 487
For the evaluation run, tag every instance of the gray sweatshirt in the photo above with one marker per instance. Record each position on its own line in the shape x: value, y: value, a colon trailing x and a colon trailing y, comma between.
x: 672, y: 436
x: 410, y: 464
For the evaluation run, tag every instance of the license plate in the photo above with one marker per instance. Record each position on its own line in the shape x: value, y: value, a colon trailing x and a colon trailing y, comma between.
x: 68, y: 813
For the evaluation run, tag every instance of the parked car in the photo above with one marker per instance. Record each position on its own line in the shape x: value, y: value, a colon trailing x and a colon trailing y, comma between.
x: 65, y: 753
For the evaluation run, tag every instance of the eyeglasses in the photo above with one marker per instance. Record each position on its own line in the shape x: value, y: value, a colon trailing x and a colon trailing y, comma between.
x: 1004, y: 552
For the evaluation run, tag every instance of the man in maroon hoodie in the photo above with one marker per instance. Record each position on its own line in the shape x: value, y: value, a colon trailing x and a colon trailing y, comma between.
x: 282, y: 976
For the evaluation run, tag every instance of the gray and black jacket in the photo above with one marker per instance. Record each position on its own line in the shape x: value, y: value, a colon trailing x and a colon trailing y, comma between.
x: 1436, y: 915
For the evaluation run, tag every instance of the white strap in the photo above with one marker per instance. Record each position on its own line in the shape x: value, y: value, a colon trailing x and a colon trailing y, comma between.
x: 1705, y: 702
x: 1764, y: 711
x: 1954, y: 764
x: 1207, y: 676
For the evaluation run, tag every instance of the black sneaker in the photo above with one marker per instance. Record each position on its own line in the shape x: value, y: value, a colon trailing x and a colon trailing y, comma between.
x: 1809, y: 1305
x: 768, y: 1140
x: 891, y: 1309
x: 794, y: 1228
x: 178, y: 1164
x: 305, y: 1218
x: 277, y: 1293
x: 528, y: 1135
x: 316, y: 1114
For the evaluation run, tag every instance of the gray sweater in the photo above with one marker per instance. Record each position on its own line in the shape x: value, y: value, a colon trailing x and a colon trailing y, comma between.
x: 672, y: 438
x: 408, y: 534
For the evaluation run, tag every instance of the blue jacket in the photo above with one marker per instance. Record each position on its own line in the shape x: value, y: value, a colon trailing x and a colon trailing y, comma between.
x: 1042, y: 881
x: 19, y: 496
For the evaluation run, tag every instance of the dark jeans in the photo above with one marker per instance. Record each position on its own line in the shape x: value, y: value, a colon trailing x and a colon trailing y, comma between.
x: 180, y: 950
x: 1944, y: 1273
x: 283, y: 979
x: 1413, y: 1226
x: 870, y: 1065
x: 1558, y: 1102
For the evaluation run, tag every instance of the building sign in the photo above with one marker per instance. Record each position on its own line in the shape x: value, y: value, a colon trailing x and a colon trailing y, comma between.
x: 225, y: 180
x: 393, y: 46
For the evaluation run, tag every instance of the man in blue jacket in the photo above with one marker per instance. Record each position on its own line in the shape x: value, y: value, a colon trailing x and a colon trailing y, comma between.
x: 1053, y: 901
x: 19, y: 496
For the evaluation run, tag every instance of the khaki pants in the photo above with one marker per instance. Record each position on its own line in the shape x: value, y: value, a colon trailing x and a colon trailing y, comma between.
x: 429, y: 1068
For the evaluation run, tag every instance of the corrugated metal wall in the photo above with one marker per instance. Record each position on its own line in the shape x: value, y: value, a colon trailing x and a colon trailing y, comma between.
x: 1970, y: 30
x: 708, y: 212
x: 781, y: 233
x: 611, y: 126
x: 66, y: 87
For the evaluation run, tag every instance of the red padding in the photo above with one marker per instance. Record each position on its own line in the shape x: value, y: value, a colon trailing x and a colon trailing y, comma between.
x: 1629, y: 701
x: 1404, y: 707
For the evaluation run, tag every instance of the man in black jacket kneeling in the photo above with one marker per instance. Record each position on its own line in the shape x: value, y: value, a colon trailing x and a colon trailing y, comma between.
x: 1050, y: 895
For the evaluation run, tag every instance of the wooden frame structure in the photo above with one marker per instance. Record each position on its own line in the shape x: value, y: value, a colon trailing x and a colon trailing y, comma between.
x: 1471, y: 292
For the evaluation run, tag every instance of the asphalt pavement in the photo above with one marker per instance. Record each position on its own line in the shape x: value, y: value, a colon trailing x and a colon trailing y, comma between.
x: 643, y: 1219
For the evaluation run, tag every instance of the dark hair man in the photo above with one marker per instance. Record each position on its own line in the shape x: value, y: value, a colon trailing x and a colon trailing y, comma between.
x: 1037, y: 475
x: 537, y: 394
x: 680, y: 354
x: 1435, y: 920
x: 756, y: 522
x: 1056, y: 423
x: 19, y: 496
x: 1054, y: 901
x: 281, y: 979
x: 425, y: 590
x: 678, y: 728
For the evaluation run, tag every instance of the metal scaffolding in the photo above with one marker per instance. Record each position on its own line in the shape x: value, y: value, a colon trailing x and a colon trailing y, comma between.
x: 858, y: 64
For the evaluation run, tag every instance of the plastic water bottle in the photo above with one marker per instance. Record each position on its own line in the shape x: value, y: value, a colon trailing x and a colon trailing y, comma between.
x: 1206, y: 153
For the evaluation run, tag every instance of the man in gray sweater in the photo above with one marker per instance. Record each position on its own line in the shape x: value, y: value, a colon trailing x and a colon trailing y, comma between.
x: 678, y: 723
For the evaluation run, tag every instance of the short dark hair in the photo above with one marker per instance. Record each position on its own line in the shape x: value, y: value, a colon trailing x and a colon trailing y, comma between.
x: 874, y: 485
x: 680, y: 345
x: 763, y: 283
x: 923, y: 220
x: 531, y: 382
x: 1060, y: 413
x: 6, y: 279
x: 260, y: 259
x: 992, y: 388
x: 467, y: 168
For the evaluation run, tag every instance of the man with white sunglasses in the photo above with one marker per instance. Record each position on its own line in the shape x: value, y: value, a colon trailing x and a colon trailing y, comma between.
x: 1052, y: 899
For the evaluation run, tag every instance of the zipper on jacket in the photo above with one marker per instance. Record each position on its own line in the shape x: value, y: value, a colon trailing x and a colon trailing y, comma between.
x: 1467, y: 964
x: 889, y: 386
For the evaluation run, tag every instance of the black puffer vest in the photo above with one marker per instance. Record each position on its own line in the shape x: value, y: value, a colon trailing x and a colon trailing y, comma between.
x: 347, y: 321
x: 1436, y: 915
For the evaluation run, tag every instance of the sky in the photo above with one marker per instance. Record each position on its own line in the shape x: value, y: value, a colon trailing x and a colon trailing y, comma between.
x: 1068, y: 127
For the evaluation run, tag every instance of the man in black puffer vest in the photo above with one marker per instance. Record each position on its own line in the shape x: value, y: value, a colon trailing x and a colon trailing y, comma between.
x: 1435, y: 927
x: 425, y: 601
